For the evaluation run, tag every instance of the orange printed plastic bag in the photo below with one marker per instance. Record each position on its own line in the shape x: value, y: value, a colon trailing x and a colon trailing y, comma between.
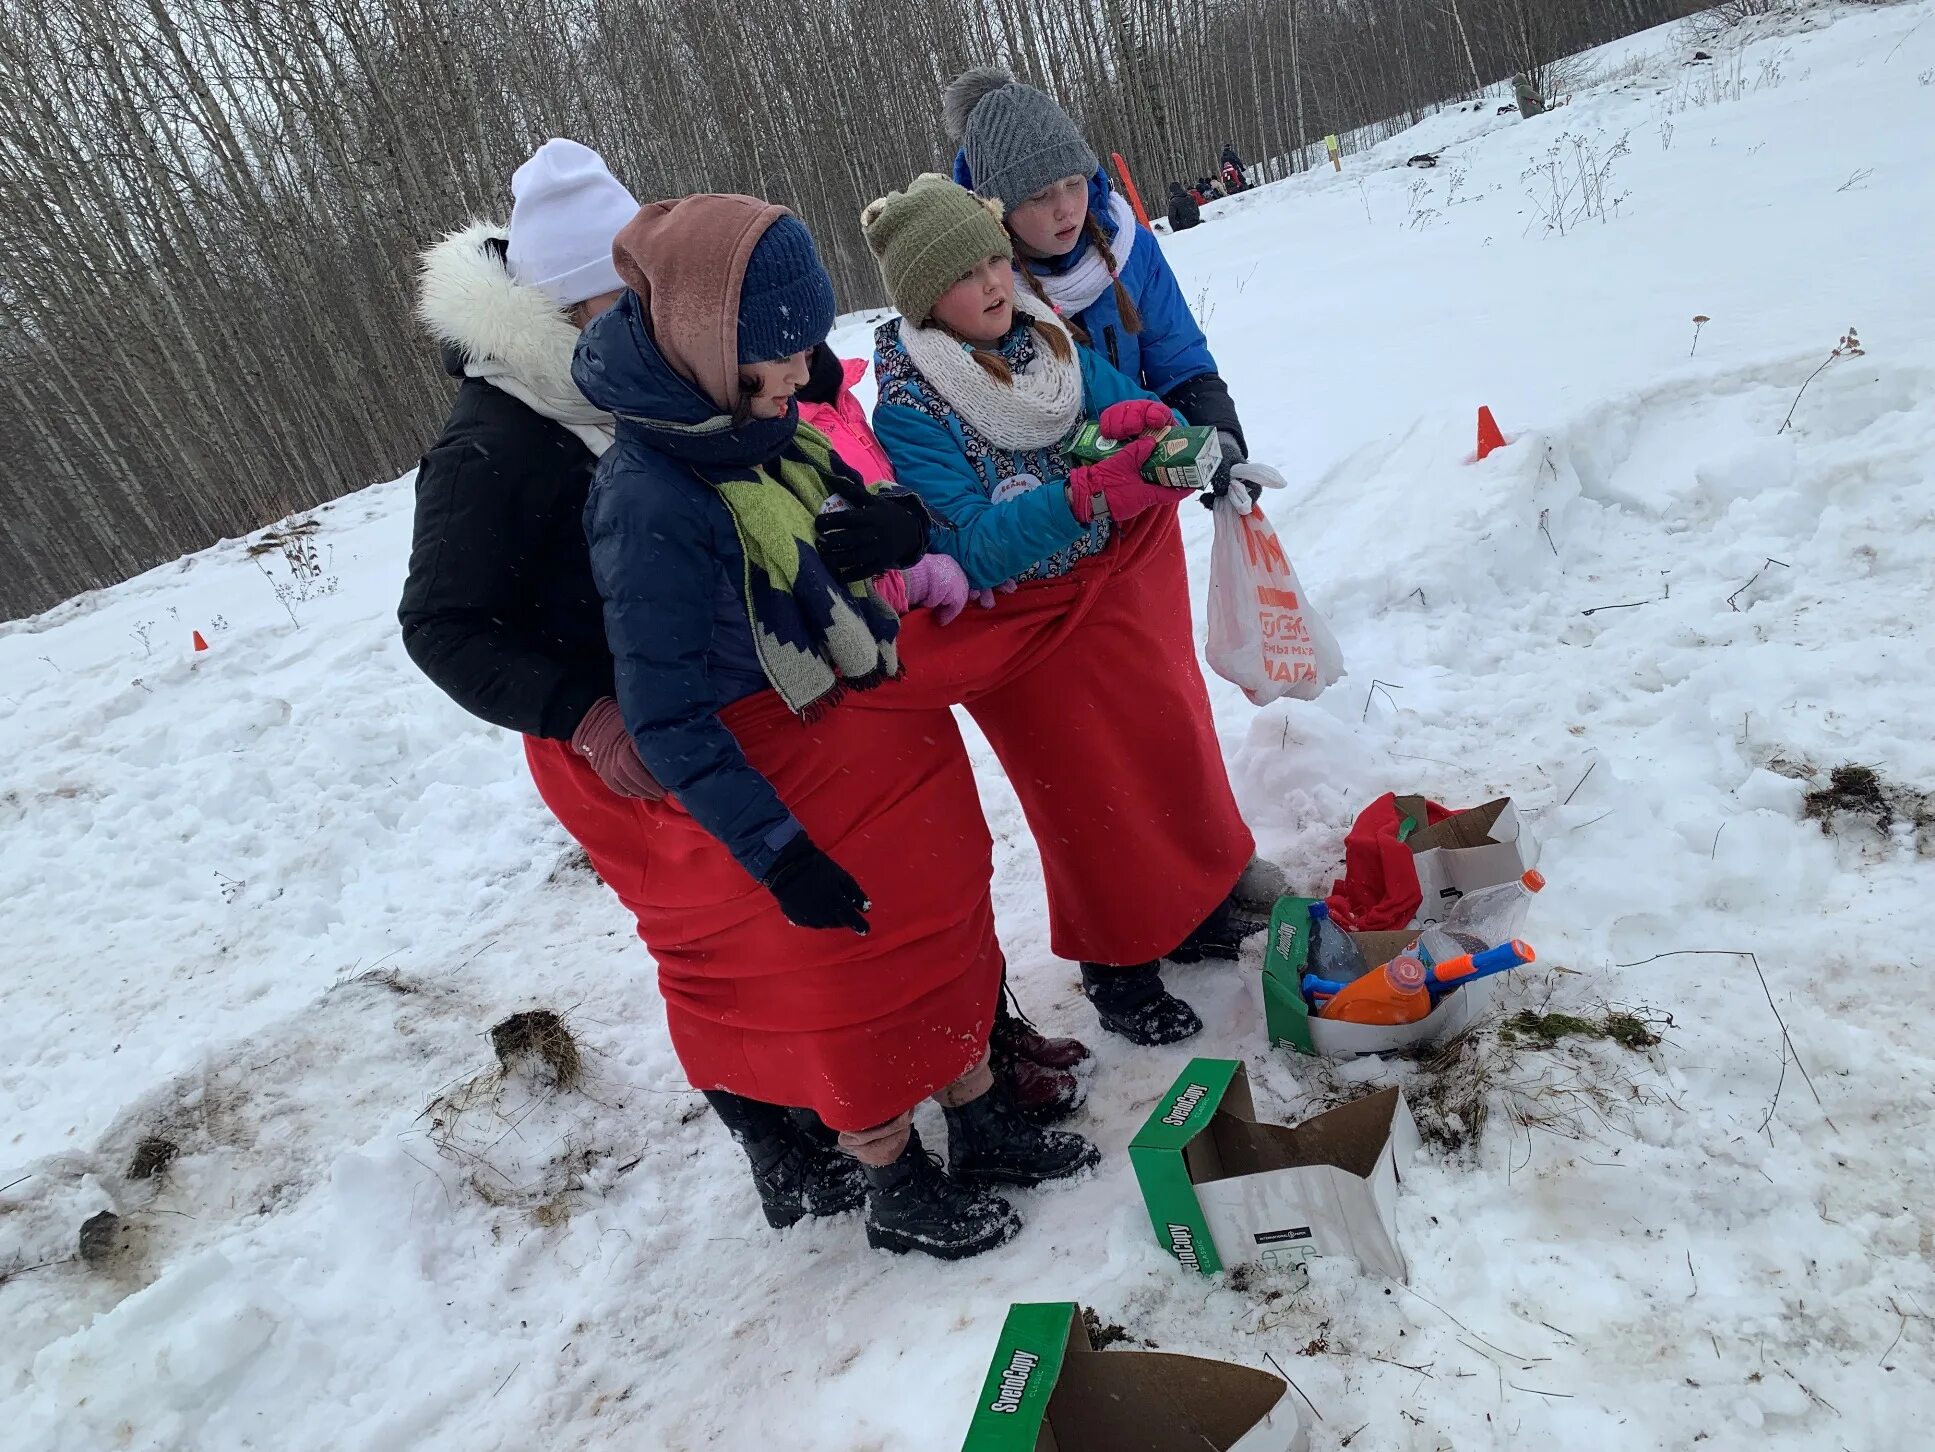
x: 1263, y: 634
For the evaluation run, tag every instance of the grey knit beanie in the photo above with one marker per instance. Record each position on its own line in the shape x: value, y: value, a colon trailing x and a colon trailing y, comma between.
x: 1015, y: 138
x: 928, y: 237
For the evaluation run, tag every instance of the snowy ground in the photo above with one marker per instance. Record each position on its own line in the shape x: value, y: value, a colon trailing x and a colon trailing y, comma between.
x: 268, y: 900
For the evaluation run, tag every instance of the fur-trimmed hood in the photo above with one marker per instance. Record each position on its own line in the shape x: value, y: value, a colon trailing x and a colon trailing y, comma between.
x: 508, y: 334
x: 467, y: 300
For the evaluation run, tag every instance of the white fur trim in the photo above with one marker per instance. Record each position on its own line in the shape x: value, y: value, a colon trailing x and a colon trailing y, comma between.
x: 511, y: 335
x: 465, y: 297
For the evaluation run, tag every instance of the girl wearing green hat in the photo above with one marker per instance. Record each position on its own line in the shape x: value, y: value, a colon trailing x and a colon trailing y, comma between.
x: 1085, y: 679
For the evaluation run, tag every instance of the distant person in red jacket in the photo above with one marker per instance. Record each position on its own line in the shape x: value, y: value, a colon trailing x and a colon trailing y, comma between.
x: 1234, y: 179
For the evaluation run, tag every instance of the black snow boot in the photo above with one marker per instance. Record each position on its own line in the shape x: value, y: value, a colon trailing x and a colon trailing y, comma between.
x: 797, y: 1171
x: 990, y: 1143
x: 911, y: 1205
x: 1132, y: 1003
x: 1221, y: 934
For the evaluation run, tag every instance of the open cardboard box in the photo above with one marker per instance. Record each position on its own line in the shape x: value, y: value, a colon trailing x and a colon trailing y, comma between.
x: 1223, y: 1189
x: 1482, y: 847
x: 1048, y: 1390
x: 1289, y: 1018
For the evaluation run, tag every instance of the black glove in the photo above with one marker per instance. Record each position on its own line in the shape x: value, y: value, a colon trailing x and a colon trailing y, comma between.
x: 1219, y: 484
x: 814, y: 891
x: 888, y: 532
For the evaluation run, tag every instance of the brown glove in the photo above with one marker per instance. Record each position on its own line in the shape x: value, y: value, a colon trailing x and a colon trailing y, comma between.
x: 602, y: 740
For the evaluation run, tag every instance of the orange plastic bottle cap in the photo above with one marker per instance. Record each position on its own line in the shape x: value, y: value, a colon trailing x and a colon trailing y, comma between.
x: 1406, y: 974
x: 1534, y: 880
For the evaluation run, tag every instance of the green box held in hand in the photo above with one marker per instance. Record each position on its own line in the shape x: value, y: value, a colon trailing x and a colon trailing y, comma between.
x: 1049, y: 1390
x: 1185, y: 457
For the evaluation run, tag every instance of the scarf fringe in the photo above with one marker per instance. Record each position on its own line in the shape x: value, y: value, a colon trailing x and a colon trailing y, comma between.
x: 813, y: 710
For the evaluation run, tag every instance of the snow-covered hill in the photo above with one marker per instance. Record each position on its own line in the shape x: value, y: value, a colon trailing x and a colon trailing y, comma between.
x: 265, y: 902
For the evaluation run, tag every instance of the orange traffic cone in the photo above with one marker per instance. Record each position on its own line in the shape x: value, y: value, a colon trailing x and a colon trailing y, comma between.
x: 200, y: 643
x: 1489, y: 437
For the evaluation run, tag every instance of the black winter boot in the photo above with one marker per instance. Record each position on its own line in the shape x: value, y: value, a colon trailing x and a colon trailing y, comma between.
x: 989, y: 1143
x: 911, y: 1205
x: 1221, y: 934
x: 797, y: 1172
x: 1133, y: 1003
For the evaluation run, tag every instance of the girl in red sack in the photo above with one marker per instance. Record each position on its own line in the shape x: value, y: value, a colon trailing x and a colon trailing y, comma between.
x: 817, y: 899
x: 1085, y: 680
x: 1034, y: 1067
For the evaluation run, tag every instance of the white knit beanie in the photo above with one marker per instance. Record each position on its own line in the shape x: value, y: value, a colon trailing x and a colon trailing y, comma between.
x: 566, y: 207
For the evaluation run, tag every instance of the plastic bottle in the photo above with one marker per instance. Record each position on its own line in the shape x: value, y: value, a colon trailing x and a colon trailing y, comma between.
x: 1333, y: 956
x: 1483, y: 919
x: 1394, y: 994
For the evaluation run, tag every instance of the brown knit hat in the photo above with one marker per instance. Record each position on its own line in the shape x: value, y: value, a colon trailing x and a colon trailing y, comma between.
x: 686, y: 260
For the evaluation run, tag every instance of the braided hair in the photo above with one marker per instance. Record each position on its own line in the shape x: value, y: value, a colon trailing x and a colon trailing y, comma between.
x: 1124, y: 304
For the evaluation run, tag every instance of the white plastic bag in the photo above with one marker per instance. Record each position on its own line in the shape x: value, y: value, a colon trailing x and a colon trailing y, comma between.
x: 1263, y: 634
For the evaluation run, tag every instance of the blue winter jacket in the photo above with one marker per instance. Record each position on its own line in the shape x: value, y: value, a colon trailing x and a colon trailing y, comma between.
x: 1171, y: 349
x: 670, y: 570
x: 993, y: 541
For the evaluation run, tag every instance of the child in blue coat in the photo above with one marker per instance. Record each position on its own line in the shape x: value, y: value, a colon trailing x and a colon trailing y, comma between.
x: 1084, y: 679
x: 1079, y: 249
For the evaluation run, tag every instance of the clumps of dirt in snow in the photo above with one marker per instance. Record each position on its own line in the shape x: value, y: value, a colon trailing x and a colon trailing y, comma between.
x: 1104, y: 1334
x: 528, y: 1134
x: 539, y: 1040
x: 1859, y: 797
x: 1543, y: 1030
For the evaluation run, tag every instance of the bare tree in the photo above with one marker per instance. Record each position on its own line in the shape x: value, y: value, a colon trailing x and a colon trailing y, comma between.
x: 210, y: 209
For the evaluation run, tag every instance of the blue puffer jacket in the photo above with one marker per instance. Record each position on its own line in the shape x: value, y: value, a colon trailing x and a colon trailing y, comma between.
x: 669, y: 567
x: 1171, y: 350
x: 1006, y: 511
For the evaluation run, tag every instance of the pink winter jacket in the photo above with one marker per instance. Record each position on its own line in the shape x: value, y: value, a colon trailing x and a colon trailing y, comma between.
x: 844, y: 422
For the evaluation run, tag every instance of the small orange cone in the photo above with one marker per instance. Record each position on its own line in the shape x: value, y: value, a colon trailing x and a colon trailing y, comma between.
x: 200, y: 643
x: 1489, y: 437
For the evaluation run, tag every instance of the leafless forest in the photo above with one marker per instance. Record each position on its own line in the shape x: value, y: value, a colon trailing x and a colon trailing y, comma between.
x: 209, y: 208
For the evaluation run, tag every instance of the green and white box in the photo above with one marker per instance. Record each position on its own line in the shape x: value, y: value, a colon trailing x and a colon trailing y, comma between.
x: 1289, y: 1018
x: 1048, y: 1390
x: 1185, y: 458
x: 1223, y: 1189
x: 1482, y: 847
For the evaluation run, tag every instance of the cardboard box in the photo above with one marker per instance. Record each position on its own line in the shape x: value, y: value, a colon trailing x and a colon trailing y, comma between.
x: 1048, y: 1390
x: 1185, y: 458
x: 1089, y: 446
x: 1469, y: 850
x: 1224, y: 1190
x: 1290, y: 1021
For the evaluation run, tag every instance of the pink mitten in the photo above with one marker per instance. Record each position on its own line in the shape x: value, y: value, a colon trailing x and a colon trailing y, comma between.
x: 892, y: 587
x: 1134, y: 417
x: 937, y: 583
x: 1118, y: 480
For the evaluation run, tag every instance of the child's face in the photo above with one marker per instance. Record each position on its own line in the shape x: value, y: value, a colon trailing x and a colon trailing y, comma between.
x: 768, y: 388
x: 981, y: 306
x: 1049, y: 223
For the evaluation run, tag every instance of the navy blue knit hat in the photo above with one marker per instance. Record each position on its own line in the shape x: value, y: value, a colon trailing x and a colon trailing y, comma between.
x: 786, y: 299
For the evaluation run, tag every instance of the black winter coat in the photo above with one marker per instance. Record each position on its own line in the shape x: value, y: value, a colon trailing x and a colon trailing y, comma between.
x: 500, y: 610
x: 1183, y: 211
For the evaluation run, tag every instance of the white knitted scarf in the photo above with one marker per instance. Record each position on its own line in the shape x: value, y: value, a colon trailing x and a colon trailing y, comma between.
x: 1073, y: 290
x: 1036, y: 411
x: 552, y: 395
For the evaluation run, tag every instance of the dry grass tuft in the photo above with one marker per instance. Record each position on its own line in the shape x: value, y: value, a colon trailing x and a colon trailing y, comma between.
x: 538, y: 1038
x: 151, y: 1156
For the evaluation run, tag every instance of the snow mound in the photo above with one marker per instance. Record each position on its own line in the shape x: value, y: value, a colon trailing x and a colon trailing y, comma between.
x: 264, y: 903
